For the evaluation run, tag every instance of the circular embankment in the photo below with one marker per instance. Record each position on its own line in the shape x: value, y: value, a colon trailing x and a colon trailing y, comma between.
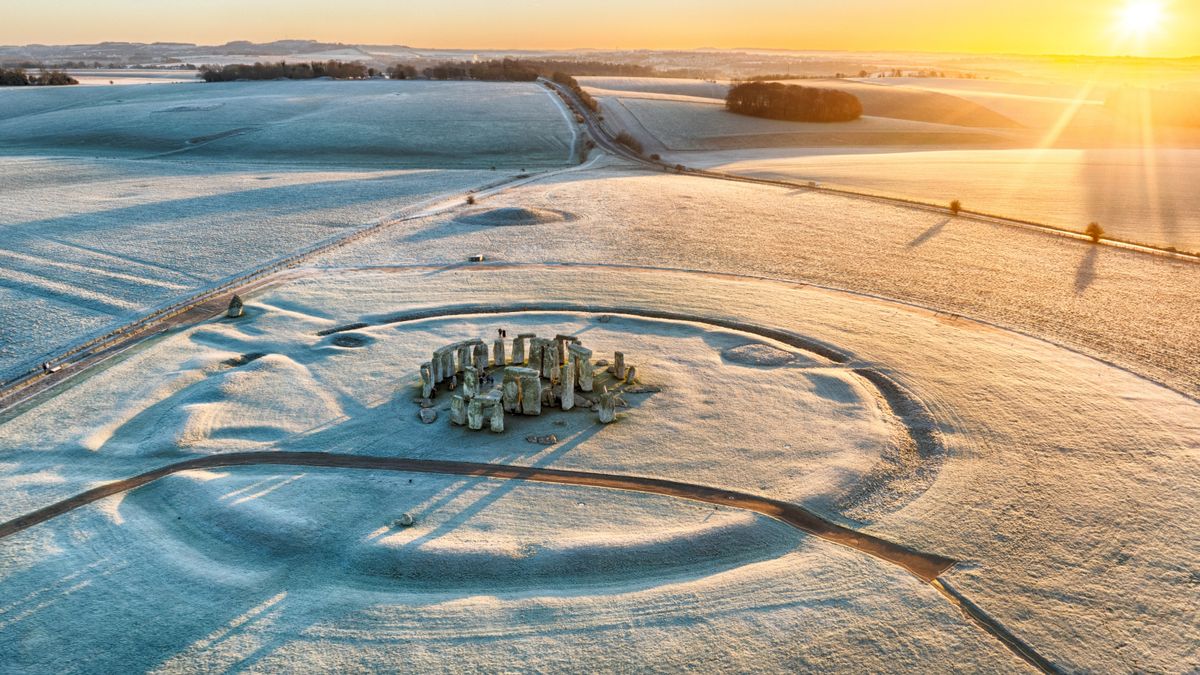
x: 803, y: 361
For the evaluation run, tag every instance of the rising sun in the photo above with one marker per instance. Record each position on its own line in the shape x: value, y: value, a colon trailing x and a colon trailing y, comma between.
x: 1139, y: 17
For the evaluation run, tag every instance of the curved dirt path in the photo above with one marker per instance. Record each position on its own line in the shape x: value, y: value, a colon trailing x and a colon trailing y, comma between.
x: 926, y: 566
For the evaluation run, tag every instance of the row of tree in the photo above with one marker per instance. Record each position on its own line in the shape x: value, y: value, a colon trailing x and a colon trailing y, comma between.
x: 337, y: 70
x: 793, y: 103
x: 17, y: 77
x: 573, y: 84
x: 496, y: 70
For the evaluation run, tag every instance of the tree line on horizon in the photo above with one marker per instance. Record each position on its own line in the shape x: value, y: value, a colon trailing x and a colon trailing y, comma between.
x: 18, y: 77
x: 338, y: 70
x: 793, y: 103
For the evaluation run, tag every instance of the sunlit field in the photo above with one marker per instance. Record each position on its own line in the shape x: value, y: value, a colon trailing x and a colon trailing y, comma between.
x: 495, y: 337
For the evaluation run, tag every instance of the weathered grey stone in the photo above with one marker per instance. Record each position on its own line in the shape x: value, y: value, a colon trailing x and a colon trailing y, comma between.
x: 567, y: 381
x: 564, y: 341
x: 470, y: 383
x: 631, y: 374
x: 405, y: 520
x: 619, y: 365
x: 426, y: 380
x: 464, y: 356
x: 475, y: 413
x: 481, y: 355
x: 584, y: 372
x: 519, y: 348
x: 427, y: 415
x: 496, y: 423
x: 458, y: 410
x: 548, y: 439
x: 236, y: 307
x: 499, y: 358
x: 537, y: 353
x: 531, y: 394
x: 551, y: 363
x: 608, y: 408
x: 511, y: 386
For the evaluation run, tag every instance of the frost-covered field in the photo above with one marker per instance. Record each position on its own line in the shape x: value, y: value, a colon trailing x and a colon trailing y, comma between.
x: 1066, y: 491
x: 1139, y: 195
x: 171, y: 188
x: 1069, y: 164
x: 380, y: 124
x: 1058, y: 463
x: 1140, y: 311
x: 88, y: 244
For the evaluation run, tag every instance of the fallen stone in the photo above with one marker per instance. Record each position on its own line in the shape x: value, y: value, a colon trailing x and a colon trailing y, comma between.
x: 643, y: 389
x: 549, y: 439
x: 405, y: 520
x: 428, y: 415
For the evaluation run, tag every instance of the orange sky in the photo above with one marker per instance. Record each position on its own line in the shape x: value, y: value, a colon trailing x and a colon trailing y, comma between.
x: 1008, y: 26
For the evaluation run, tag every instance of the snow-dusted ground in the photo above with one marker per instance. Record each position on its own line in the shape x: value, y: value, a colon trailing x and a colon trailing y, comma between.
x: 1067, y: 488
x: 261, y: 570
x: 1071, y: 165
x: 377, y: 123
x: 139, y: 215
x: 1139, y: 195
x: 1139, y: 311
x: 88, y: 244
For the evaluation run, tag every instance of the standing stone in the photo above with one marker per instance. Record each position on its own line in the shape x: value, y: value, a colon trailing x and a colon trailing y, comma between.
x: 498, y: 357
x: 236, y: 306
x: 550, y: 361
x: 481, y: 355
x: 496, y: 422
x: 464, y: 356
x: 511, y: 388
x: 563, y: 342
x: 608, y: 408
x: 631, y: 375
x: 448, y: 363
x: 531, y: 394
x: 426, y: 380
x: 470, y: 383
x: 519, y: 356
x: 537, y: 352
x: 584, y: 371
x: 458, y: 410
x: 568, y: 384
x: 437, y: 367
x: 475, y: 414
x: 492, y: 408
x: 619, y: 365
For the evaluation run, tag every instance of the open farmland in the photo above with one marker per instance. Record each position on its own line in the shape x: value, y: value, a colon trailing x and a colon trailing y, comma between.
x: 113, y: 206
x: 550, y: 416
x: 382, y: 124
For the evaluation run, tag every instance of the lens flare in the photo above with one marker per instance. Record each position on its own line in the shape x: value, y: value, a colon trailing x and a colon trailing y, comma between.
x: 1141, y: 17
